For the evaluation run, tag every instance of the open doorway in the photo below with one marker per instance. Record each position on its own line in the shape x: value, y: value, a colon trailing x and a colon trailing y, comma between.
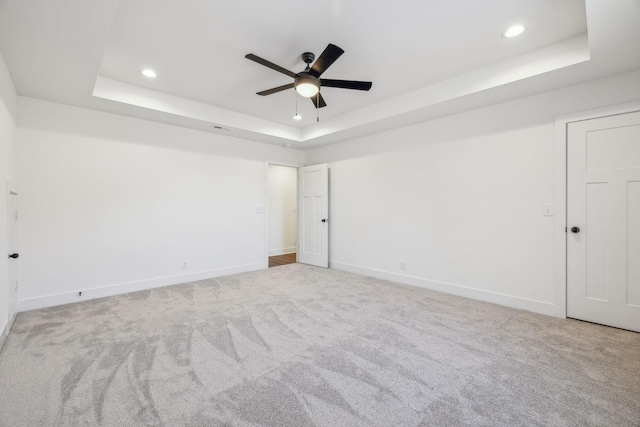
x: 282, y: 214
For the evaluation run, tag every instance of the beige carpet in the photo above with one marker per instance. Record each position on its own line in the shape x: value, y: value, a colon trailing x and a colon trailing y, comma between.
x: 302, y: 346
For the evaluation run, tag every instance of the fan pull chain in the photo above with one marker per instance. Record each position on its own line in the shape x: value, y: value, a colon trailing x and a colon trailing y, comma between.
x: 317, y: 108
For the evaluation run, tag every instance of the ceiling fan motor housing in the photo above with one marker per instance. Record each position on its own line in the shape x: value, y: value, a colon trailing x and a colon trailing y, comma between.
x: 306, y: 78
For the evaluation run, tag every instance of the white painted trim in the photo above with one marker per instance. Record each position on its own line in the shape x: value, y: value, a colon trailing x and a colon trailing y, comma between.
x: 265, y: 202
x: 560, y: 218
x: 282, y: 251
x: 535, y: 306
x: 7, y: 329
x: 560, y: 195
x: 123, y: 288
x: 283, y: 163
x: 11, y: 189
x: 12, y: 321
x: 4, y: 335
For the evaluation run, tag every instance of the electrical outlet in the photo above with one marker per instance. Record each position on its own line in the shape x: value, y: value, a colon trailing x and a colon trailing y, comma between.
x: 403, y: 265
x: 16, y: 286
x: 185, y: 265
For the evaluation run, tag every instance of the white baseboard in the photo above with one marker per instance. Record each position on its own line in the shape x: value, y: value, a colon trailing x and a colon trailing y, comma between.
x: 12, y: 321
x: 282, y: 251
x: 535, y: 306
x: 7, y: 329
x: 123, y: 288
x: 3, y: 335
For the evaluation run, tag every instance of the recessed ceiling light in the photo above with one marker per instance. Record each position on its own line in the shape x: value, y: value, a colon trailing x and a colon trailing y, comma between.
x: 513, y: 31
x: 297, y: 117
x: 148, y: 72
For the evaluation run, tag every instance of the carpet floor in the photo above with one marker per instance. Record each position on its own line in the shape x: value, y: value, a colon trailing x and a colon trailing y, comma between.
x: 304, y: 346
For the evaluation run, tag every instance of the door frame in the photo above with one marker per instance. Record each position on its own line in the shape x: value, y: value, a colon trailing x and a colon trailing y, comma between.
x: 265, y: 202
x: 11, y: 189
x: 561, y: 124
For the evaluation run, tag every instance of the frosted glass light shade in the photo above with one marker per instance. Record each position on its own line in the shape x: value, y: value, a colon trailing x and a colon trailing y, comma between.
x: 307, y: 89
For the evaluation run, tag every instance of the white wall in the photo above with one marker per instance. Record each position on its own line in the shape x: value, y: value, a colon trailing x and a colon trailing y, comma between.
x: 282, y: 209
x: 460, y: 199
x: 8, y: 113
x: 113, y: 204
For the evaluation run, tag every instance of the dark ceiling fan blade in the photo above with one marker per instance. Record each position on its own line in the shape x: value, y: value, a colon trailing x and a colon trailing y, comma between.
x: 271, y: 65
x: 346, y: 84
x: 275, y: 89
x: 319, y: 103
x: 328, y: 57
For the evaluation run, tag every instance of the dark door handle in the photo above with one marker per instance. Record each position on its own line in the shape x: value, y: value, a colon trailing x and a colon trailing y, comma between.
x: 14, y: 256
x: 324, y: 220
x: 575, y: 229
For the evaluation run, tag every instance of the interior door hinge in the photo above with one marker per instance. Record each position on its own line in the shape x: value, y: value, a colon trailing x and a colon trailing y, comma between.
x: 565, y: 229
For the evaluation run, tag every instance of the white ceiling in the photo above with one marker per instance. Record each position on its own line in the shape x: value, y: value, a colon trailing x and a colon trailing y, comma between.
x: 425, y: 58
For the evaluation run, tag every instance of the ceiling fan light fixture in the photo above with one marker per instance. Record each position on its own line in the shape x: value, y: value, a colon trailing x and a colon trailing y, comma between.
x: 307, y: 86
x: 307, y: 90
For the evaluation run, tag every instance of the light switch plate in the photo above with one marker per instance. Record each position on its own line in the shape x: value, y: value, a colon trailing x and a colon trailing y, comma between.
x: 547, y: 210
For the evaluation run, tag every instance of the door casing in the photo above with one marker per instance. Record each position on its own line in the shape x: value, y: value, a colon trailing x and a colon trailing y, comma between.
x: 13, y: 267
x: 266, y: 200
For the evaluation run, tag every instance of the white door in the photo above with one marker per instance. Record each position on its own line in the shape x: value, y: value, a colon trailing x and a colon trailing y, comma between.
x: 603, y: 218
x: 12, y: 246
x: 313, y: 208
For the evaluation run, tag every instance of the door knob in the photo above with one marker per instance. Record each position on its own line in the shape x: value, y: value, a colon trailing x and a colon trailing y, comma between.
x: 13, y: 255
x: 575, y: 229
x: 324, y: 220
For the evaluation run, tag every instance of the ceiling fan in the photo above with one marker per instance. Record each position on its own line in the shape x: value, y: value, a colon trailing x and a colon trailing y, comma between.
x: 308, y: 82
